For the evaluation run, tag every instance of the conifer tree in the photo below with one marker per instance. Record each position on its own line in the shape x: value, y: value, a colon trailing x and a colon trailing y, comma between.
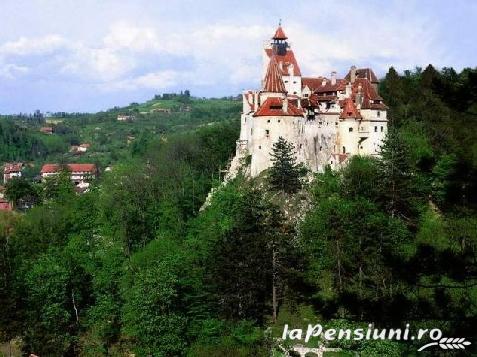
x: 396, y: 173
x: 285, y: 174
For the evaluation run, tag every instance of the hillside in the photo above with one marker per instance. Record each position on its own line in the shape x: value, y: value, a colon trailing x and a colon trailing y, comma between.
x: 134, y: 265
x: 111, y: 141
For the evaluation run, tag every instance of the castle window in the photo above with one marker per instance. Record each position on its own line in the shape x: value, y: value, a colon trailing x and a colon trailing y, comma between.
x: 321, y: 148
x: 360, y: 147
x: 294, y: 92
x: 268, y: 121
x: 344, y: 150
x: 336, y: 123
x: 259, y: 146
x: 301, y: 145
x: 294, y: 82
x: 286, y: 81
x: 350, y: 130
x: 331, y: 162
x: 267, y: 133
x: 378, y: 113
x: 251, y: 131
x: 279, y: 120
x: 375, y: 129
x: 382, y: 129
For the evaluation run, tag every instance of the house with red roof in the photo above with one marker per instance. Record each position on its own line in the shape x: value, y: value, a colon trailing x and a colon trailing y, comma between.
x: 80, y: 174
x: 328, y: 120
x: 11, y: 170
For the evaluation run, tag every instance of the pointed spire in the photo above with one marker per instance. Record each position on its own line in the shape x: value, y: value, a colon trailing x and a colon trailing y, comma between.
x: 349, y: 110
x: 273, y: 80
x: 279, y: 33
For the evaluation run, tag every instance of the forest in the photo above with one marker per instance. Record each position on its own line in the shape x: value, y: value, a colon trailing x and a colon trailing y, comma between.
x: 140, y: 265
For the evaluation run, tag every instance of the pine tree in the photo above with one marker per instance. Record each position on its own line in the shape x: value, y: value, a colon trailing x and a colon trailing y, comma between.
x: 396, y: 175
x: 285, y: 174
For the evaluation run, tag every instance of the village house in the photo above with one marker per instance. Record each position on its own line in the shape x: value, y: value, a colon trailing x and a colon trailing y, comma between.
x: 328, y: 120
x: 126, y: 118
x: 79, y: 149
x: 5, y: 205
x: 11, y: 170
x: 46, y: 130
x: 80, y: 174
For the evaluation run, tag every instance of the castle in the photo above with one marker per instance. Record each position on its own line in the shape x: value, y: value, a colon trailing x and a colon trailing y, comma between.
x: 327, y: 119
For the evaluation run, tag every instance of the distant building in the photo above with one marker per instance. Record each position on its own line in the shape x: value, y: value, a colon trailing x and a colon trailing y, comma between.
x: 126, y: 118
x: 5, y: 205
x: 80, y: 174
x: 11, y: 170
x: 162, y: 110
x: 84, y: 147
x: 79, y: 149
x: 46, y: 130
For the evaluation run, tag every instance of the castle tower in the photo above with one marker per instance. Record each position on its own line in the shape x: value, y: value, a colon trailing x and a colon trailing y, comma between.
x: 279, y: 44
x: 287, y: 64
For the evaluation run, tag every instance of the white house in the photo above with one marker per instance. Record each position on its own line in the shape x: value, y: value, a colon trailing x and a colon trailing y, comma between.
x: 11, y: 170
x: 80, y: 174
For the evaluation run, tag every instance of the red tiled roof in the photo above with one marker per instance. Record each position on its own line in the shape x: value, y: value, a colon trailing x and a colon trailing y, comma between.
x: 284, y: 61
x: 325, y: 98
x: 349, y: 110
x: 364, y: 73
x: 273, y: 80
x: 273, y: 106
x: 340, y: 85
x: 312, y: 83
x: 52, y: 168
x: 279, y: 34
x: 12, y: 167
x: 371, y: 98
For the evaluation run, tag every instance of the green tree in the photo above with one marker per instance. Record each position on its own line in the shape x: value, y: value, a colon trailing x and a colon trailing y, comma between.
x: 285, y: 174
x: 21, y: 192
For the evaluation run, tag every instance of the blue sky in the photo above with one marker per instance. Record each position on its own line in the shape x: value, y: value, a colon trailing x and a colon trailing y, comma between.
x: 89, y: 55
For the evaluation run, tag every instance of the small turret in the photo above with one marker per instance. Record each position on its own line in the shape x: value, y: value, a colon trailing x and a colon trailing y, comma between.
x: 279, y: 43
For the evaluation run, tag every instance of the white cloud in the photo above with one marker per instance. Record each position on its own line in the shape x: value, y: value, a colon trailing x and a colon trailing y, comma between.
x: 126, y: 36
x: 96, y: 64
x: 33, y: 46
x: 152, y: 80
x: 12, y: 71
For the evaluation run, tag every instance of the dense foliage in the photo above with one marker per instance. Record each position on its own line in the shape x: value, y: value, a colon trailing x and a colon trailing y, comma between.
x: 135, y: 265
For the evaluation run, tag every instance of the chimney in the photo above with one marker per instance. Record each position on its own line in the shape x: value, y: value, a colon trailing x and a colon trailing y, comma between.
x: 352, y: 74
x: 359, y: 97
x: 255, y: 102
x: 333, y: 78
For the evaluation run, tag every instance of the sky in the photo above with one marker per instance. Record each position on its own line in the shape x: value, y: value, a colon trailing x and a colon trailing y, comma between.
x: 91, y: 55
